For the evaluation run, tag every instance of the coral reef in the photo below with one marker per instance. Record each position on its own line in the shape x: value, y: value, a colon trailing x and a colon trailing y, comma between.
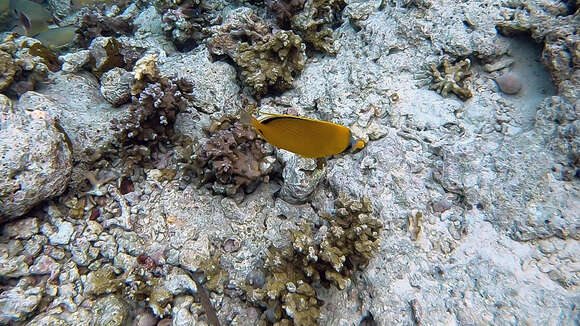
x: 234, y: 159
x: 452, y: 79
x: 480, y: 196
x: 25, y: 63
x: 314, y: 23
x: 186, y: 22
x: 94, y: 23
x: 328, y: 255
x: 154, y: 104
x: 268, y: 61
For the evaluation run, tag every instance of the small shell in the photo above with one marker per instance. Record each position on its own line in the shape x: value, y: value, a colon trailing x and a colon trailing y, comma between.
x: 509, y: 83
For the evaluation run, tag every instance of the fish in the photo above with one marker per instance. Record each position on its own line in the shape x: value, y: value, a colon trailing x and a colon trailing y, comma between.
x: 57, y: 38
x: 34, y: 17
x: 303, y: 136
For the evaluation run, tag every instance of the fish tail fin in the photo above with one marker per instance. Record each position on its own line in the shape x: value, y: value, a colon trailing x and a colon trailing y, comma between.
x: 355, y: 145
x: 360, y: 144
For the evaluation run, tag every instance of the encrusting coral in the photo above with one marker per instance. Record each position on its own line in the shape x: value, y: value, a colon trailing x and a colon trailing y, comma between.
x: 233, y: 159
x: 452, y: 79
x: 326, y: 256
x: 268, y: 60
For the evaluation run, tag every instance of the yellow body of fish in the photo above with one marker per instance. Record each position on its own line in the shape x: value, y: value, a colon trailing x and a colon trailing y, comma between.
x: 305, y: 137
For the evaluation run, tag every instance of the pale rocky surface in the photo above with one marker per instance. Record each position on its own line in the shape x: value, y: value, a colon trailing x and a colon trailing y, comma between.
x: 36, y: 162
x: 494, y: 180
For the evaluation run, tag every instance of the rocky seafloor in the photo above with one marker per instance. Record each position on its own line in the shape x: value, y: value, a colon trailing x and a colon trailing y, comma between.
x: 130, y: 194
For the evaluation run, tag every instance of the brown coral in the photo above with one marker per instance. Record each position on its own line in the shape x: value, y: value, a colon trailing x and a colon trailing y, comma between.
x: 326, y: 256
x: 284, y: 10
x: 267, y: 61
x: 314, y: 23
x: 233, y: 159
x: 452, y: 79
x: 95, y: 23
x: 186, y: 24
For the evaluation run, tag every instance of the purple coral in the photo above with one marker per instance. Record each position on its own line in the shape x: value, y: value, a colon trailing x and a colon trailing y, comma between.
x: 154, y: 109
x: 233, y: 159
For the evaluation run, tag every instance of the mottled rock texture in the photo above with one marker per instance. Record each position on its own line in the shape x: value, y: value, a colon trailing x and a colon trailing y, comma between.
x: 35, y: 157
x: 477, y: 195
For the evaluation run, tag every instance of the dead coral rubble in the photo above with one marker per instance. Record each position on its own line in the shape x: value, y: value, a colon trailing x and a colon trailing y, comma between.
x: 268, y: 61
x: 326, y: 256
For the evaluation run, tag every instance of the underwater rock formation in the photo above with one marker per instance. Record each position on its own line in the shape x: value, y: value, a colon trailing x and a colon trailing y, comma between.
x: 555, y: 26
x: 85, y: 116
x: 36, y: 158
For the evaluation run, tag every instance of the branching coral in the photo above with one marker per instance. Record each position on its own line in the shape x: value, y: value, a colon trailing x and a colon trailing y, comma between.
x: 156, y: 101
x: 452, y: 79
x: 234, y: 159
x: 311, y: 19
x: 314, y: 23
x: 284, y: 10
x: 94, y: 23
x: 186, y: 22
x: 326, y: 256
x: 267, y: 61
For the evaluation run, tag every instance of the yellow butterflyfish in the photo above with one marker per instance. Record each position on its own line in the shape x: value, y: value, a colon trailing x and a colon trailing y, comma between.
x: 306, y: 137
